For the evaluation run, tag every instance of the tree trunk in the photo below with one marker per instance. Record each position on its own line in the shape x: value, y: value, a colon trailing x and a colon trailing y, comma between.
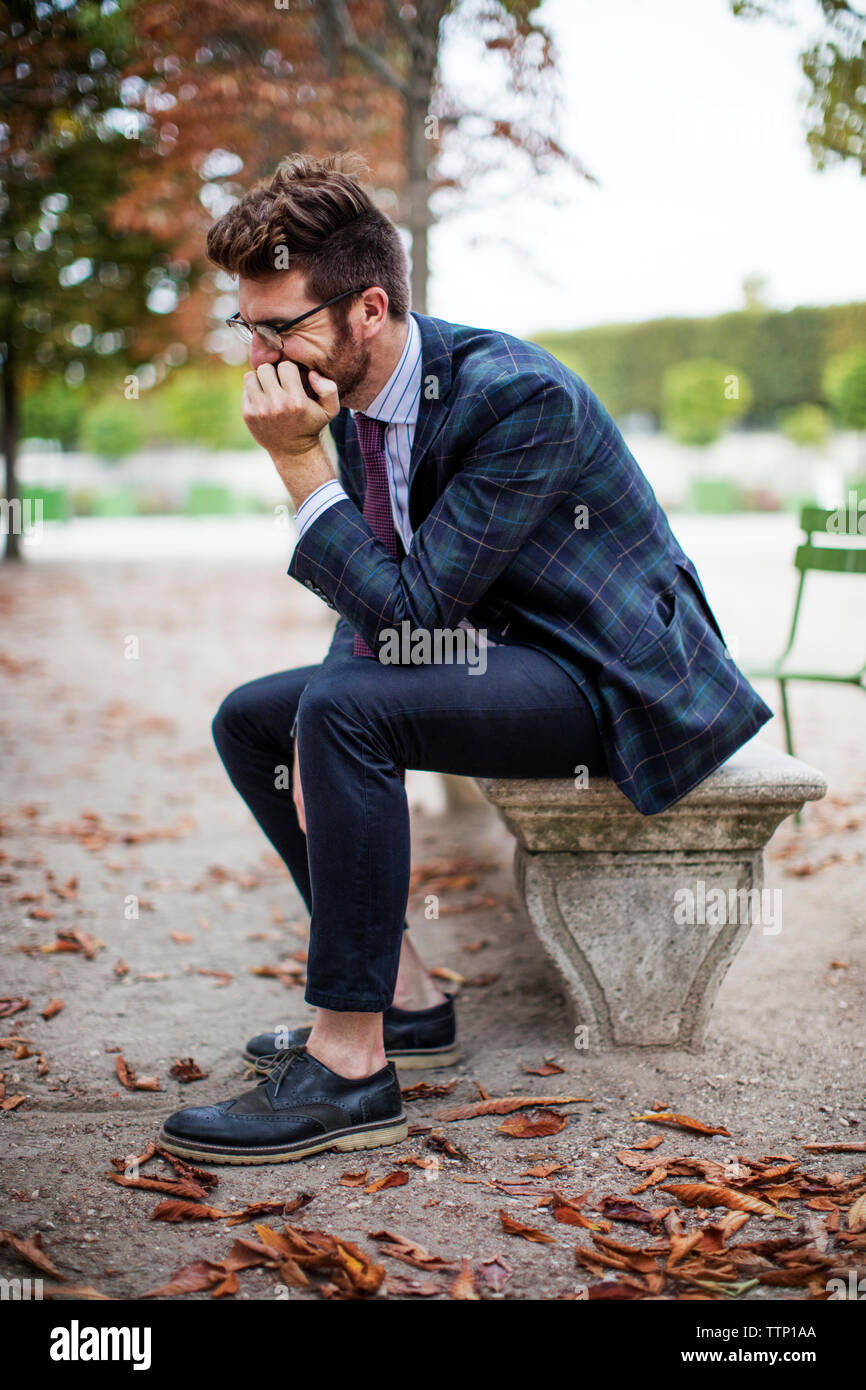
x: 417, y: 190
x: 460, y: 792
x: 10, y: 451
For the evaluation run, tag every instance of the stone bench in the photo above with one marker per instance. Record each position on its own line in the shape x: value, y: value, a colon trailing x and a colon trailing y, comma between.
x: 643, y: 915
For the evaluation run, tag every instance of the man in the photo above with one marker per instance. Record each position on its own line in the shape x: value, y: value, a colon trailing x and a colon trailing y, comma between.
x: 484, y: 493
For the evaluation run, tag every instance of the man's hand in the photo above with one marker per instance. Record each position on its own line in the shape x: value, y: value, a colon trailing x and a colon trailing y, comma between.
x: 298, y: 793
x: 282, y: 418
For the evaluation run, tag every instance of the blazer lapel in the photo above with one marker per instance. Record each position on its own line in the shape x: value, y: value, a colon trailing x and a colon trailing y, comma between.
x: 436, y: 347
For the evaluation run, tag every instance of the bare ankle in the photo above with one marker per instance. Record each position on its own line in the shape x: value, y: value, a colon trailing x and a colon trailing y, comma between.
x: 415, y: 988
x: 420, y: 994
x: 350, y: 1045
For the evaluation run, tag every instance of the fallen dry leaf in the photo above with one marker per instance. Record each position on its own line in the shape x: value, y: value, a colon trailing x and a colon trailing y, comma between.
x: 619, y: 1210
x: 443, y: 1145
x: 175, y: 1187
x: 288, y: 975
x: 837, y: 1148
x: 511, y: 1227
x: 857, y: 1215
x: 546, y: 1069
x: 278, y: 1208
x: 701, y: 1194
x: 222, y: 977
x: 533, y: 1124
x: 399, y: 1248
x: 352, y: 1272
x: 12, y: 1004
x: 395, y: 1179
x: 425, y: 1090
x: 681, y: 1122
x: 228, y: 1285
x: 191, y: 1279
x: 248, y: 1254
x: 185, y: 1211
x: 625, y: 1289
x: 505, y: 1105
x: 464, y: 1286
x: 355, y: 1179
x: 138, y: 1159
x: 75, y: 940
x: 495, y: 1273
x: 32, y: 1252
x: 52, y: 1008
x: 567, y: 1210
x: 401, y: 1286
x: 542, y: 1170
x: 127, y: 1077
x: 442, y: 972
x: 186, y: 1069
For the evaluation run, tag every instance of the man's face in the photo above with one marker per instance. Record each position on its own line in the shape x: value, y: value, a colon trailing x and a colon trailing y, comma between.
x: 336, y: 351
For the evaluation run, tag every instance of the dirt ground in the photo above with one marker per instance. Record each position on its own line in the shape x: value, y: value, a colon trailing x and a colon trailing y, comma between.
x: 112, y: 787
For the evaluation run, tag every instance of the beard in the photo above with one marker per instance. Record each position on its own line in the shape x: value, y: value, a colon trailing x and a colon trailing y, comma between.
x: 347, y: 364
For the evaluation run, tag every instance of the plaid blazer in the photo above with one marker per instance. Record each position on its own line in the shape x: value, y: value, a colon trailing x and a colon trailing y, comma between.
x: 532, y: 519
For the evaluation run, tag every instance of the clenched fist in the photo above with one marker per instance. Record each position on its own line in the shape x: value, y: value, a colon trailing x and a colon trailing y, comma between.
x: 286, y: 421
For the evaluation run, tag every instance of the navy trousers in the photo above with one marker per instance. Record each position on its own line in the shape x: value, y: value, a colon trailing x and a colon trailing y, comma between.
x: 358, y: 722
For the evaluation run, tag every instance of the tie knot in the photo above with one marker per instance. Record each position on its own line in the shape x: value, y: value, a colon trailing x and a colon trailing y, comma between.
x: 371, y: 434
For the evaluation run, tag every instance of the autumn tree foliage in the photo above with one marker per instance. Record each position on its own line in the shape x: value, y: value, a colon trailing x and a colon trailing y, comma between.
x: 228, y: 87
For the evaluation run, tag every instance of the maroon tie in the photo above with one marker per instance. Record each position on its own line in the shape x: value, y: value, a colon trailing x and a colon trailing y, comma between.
x: 377, y: 503
x: 377, y: 495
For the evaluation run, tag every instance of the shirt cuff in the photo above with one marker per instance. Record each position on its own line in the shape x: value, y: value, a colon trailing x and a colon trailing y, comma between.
x: 318, y: 502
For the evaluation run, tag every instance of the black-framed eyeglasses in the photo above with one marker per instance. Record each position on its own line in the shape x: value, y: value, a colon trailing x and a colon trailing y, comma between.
x: 272, y: 334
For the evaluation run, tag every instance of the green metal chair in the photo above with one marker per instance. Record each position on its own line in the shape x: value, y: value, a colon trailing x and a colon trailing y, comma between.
x: 830, y: 559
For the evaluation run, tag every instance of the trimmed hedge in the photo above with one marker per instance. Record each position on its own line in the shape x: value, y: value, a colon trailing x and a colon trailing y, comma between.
x: 783, y: 354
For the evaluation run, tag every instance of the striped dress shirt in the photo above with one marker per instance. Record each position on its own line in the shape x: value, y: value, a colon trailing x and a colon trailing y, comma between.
x: 397, y: 405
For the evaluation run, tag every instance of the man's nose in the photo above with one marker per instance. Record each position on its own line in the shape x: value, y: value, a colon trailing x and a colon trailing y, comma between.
x: 260, y: 352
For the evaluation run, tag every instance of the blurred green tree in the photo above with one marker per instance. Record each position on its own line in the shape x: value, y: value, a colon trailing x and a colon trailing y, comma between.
x: 202, y: 406
x: 783, y: 354
x: 52, y: 411
x: 700, y: 398
x: 111, y: 429
x: 845, y: 389
x: 806, y: 425
x: 835, y: 67
x: 78, y: 296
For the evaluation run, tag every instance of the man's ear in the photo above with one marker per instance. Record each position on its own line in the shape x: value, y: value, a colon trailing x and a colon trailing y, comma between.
x: 374, y: 310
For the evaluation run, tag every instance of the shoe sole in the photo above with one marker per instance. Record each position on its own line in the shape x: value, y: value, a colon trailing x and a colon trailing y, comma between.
x: 370, y: 1138
x: 403, y: 1061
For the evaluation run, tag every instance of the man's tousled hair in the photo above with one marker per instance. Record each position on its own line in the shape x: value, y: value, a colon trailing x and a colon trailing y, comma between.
x: 318, y: 211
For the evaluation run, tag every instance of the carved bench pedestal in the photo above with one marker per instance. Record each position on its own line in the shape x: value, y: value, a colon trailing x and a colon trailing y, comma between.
x: 643, y: 915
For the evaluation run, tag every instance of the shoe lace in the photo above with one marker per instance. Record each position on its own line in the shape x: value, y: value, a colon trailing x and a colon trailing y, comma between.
x: 278, y: 1071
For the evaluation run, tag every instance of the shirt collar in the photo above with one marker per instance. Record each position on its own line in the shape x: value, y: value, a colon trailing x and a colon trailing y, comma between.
x: 397, y: 402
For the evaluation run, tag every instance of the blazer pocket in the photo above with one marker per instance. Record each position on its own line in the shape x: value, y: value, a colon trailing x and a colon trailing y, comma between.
x: 661, y: 619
